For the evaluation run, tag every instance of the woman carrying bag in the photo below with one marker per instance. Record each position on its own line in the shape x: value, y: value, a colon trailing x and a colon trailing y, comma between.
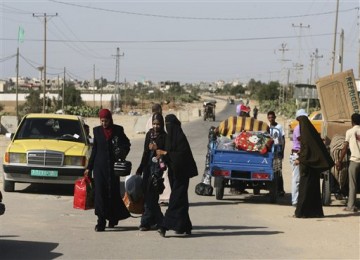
x: 110, y: 144
x: 152, y: 171
x: 179, y: 158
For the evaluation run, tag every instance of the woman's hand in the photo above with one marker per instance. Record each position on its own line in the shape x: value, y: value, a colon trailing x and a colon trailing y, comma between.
x: 86, y: 173
x: 152, y: 146
x: 296, y: 162
x: 160, y: 153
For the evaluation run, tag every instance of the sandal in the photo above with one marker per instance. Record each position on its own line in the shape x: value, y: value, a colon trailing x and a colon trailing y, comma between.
x: 354, y: 209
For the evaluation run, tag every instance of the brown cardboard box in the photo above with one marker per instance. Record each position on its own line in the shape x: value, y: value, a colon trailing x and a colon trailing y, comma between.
x: 338, y: 96
x: 331, y: 128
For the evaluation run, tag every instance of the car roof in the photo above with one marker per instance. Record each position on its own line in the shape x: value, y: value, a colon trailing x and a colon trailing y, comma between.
x: 58, y: 116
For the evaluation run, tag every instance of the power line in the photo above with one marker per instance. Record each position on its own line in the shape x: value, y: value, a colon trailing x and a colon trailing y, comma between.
x: 199, y: 18
x: 177, y: 41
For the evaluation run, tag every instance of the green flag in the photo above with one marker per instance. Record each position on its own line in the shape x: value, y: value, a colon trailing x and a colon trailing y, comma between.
x: 21, y: 34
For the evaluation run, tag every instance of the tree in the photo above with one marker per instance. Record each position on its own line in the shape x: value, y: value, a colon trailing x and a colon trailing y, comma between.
x: 269, y: 91
x: 33, y: 103
x: 72, y: 97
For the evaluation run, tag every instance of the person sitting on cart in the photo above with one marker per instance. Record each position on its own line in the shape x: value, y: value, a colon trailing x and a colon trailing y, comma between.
x: 236, y: 124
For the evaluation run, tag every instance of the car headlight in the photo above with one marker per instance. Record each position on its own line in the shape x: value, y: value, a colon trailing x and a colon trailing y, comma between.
x: 15, y: 157
x: 75, y: 160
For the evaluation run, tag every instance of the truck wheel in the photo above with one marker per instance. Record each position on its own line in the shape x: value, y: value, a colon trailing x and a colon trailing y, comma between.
x: 326, y: 193
x: 9, y: 186
x: 273, y: 188
x: 219, y: 193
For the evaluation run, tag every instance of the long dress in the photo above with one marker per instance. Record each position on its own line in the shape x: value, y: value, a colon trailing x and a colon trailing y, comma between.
x: 314, y: 159
x: 182, y: 166
x: 108, y: 201
x: 152, y: 214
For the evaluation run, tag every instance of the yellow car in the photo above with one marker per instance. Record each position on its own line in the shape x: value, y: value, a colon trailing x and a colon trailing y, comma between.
x: 46, y: 148
x: 315, y: 118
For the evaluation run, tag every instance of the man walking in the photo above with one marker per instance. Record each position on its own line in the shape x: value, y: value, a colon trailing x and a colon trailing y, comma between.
x: 352, y: 141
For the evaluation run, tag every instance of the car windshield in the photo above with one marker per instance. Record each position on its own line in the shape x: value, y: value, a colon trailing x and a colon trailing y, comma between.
x: 51, y: 128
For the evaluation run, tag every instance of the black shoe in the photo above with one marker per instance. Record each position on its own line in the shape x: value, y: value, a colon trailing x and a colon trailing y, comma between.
x: 112, y: 224
x: 143, y: 228
x: 162, y: 231
x: 99, y: 228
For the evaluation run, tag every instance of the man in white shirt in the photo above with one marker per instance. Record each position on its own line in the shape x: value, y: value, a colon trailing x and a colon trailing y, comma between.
x: 352, y: 141
x: 278, y: 135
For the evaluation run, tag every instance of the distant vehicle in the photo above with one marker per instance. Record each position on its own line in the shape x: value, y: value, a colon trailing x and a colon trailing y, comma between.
x: 46, y: 148
x: 315, y: 118
x: 209, y: 110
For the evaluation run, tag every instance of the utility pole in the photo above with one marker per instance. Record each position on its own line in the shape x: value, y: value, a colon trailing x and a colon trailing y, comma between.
x: 335, y: 33
x: 316, y: 69
x: 117, y: 77
x: 283, y: 49
x: 299, y: 66
x: 63, y: 91
x: 341, y: 55
x: 94, y: 85
x: 45, y: 16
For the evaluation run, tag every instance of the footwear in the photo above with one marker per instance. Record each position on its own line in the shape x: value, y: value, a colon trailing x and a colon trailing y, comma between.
x: 112, y: 224
x: 142, y: 228
x: 353, y: 209
x: 183, y: 232
x: 99, y: 228
x: 162, y: 231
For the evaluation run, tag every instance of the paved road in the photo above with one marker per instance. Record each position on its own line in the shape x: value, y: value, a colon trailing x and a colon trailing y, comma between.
x: 40, y: 223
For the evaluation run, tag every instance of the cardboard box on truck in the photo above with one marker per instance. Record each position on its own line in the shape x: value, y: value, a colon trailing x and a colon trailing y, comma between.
x: 338, y: 100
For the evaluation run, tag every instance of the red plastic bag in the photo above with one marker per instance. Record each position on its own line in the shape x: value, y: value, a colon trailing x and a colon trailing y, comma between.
x: 83, y: 194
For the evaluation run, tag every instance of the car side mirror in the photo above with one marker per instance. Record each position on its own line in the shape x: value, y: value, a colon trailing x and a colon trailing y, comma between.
x: 9, y: 135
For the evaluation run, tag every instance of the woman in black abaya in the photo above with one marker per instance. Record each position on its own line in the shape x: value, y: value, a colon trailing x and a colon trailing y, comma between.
x: 181, y: 167
x: 313, y: 159
x: 108, y: 203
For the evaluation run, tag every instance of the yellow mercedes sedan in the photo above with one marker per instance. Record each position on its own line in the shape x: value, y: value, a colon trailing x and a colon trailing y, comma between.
x: 315, y: 118
x: 46, y: 148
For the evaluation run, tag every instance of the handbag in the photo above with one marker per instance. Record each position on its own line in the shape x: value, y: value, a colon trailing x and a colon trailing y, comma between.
x: 122, y: 168
x: 83, y: 194
x: 135, y: 207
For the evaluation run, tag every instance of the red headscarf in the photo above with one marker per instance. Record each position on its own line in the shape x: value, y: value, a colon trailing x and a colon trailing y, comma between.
x: 105, y: 113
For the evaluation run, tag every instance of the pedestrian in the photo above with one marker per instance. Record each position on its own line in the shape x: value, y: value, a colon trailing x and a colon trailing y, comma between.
x: 352, y: 141
x: 255, y: 112
x: 110, y: 144
x: 182, y: 167
x: 295, y: 177
x: 313, y: 159
x: 152, y: 172
x: 278, y: 135
x: 156, y: 108
x: 165, y: 196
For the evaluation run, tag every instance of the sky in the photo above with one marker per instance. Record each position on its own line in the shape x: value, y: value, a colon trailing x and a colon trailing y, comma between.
x: 185, y: 41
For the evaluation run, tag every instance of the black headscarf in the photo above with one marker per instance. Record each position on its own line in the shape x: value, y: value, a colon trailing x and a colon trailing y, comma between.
x: 181, y: 159
x: 313, y: 152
